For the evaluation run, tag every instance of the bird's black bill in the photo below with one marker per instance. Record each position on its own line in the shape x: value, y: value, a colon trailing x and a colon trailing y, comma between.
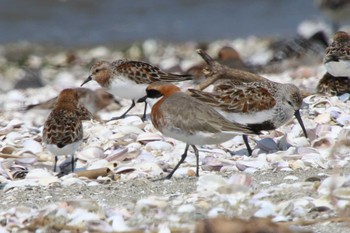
x: 86, y: 81
x: 297, y: 115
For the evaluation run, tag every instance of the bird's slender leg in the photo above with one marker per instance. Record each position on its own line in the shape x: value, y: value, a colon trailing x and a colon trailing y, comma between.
x: 144, y: 112
x: 72, y: 163
x: 183, y: 157
x: 197, y: 159
x: 55, y: 165
x: 124, y: 114
x: 245, y: 140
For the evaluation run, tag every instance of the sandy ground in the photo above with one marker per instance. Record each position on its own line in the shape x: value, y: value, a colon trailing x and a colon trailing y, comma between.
x: 123, y: 194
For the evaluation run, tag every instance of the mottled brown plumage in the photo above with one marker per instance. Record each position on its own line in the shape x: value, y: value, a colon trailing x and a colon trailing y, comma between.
x: 129, y: 79
x: 63, y: 129
x: 330, y: 85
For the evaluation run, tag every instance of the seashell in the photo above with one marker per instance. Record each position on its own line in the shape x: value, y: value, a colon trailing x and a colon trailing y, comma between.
x: 214, y: 212
x: 343, y: 120
x: 98, y: 226
x: 91, y: 153
x: 147, y: 137
x: 32, y: 145
x: 119, y: 154
x: 283, y: 144
x: 118, y: 223
x: 298, y: 164
x: 41, y: 176
x: 268, y: 145
x: 151, y: 202
x: 344, y: 97
x: 8, y: 149
x: 88, y: 204
x: 323, y: 118
x: 331, y: 183
x: 324, y: 142
x: 266, y: 211
x: 210, y: 183
x: 123, y: 170
x: 290, y: 177
x: 342, y: 193
x: 101, y: 163
x: 81, y: 216
x: 253, y: 164
x: 187, y: 208
x: 127, y: 129
x: 158, y: 146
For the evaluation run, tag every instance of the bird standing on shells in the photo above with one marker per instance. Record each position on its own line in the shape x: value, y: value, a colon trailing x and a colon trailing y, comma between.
x: 63, y: 129
x: 92, y: 100
x: 129, y: 79
x: 337, y: 58
x: 186, y: 119
x: 337, y: 63
x: 249, y: 99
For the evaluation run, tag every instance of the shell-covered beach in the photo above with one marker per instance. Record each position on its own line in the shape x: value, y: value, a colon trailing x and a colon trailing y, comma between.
x: 288, y: 178
x: 290, y: 183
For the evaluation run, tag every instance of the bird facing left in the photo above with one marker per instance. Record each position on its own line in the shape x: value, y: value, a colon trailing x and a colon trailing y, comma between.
x: 63, y: 129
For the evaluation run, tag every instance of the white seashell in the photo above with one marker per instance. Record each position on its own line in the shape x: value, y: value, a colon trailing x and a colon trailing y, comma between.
x: 290, y: 177
x: 101, y: 163
x: 98, y: 52
x: 147, y: 137
x: 323, y: 143
x: 158, y: 146
x: 151, y: 202
x: 32, y: 145
x: 120, y: 170
x: 119, y: 154
x: 91, y: 153
x: 344, y: 97
x: 331, y: 183
x: 210, y: 183
x: 80, y: 216
x: 187, y: 208
x: 343, y: 120
x: 39, y: 173
x: 342, y: 193
x: 20, y: 184
x: 98, y: 226
x: 323, y: 118
x: 126, y: 129
x: 70, y: 180
x: 118, y: 223
x: 264, y: 212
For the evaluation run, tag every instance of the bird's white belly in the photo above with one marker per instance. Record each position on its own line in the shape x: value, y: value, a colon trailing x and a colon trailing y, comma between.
x: 339, y: 68
x: 127, y: 89
x: 254, y: 118
x: 66, y: 150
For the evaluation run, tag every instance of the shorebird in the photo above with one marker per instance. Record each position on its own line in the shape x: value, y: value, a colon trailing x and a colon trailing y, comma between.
x: 337, y: 58
x: 129, y: 79
x: 63, y: 129
x: 249, y: 99
x: 189, y: 120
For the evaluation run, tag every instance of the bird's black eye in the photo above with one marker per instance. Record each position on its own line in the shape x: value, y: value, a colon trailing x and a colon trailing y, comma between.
x: 97, y: 70
x: 153, y: 93
x: 290, y: 103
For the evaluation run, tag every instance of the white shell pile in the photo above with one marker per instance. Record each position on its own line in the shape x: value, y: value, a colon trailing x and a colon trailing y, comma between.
x: 136, y: 152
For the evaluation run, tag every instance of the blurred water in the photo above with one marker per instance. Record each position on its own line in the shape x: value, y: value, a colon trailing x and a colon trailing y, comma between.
x: 118, y: 21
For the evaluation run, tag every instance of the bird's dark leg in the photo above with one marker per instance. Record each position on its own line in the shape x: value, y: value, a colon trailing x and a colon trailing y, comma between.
x: 197, y: 159
x: 144, y: 112
x: 124, y: 114
x: 72, y: 163
x: 55, y: 165
x: 183, y: 157
x: 245, y: 140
